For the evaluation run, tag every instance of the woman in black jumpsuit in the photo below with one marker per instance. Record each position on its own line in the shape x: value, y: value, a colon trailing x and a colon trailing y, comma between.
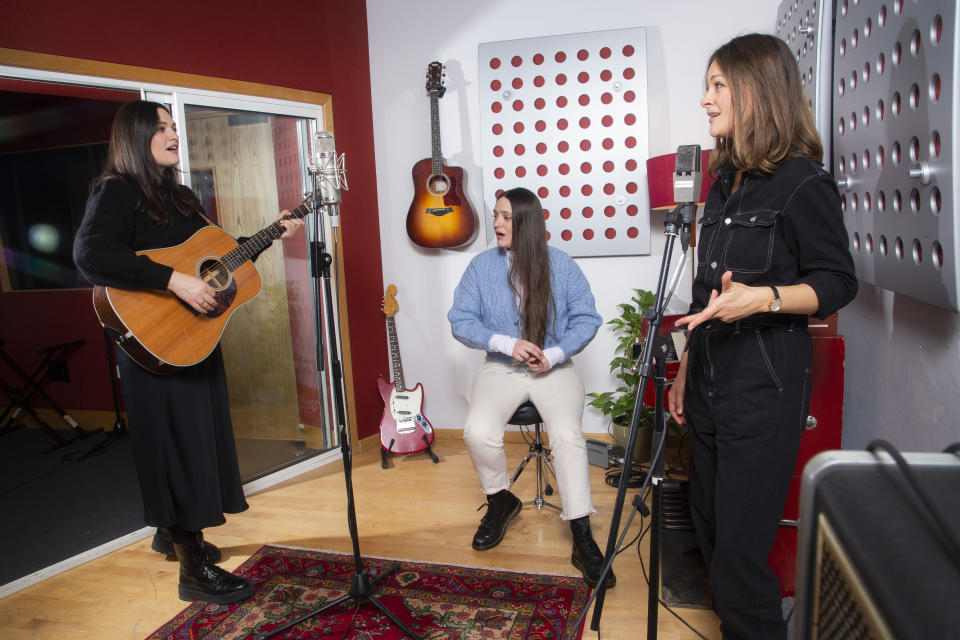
x: 180, y: 425
x: 772, y: 251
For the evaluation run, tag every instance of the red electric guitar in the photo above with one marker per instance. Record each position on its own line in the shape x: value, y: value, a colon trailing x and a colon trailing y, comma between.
x: 440, y: 215
x: 403, y: 427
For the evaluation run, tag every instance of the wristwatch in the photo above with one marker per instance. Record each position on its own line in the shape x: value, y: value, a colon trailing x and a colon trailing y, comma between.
x: 775, y: 302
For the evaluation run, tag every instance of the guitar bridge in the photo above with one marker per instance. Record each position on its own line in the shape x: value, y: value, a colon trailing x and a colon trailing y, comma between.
x: 440, y: 211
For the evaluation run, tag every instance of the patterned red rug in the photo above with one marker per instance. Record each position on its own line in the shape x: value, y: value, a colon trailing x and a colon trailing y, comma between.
x: 436, y: 601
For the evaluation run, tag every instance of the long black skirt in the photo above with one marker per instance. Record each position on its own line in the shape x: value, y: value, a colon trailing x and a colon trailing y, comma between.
x: 183, y: 443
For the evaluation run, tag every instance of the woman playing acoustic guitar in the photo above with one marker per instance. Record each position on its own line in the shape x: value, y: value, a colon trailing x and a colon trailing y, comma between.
x: 180, y: 425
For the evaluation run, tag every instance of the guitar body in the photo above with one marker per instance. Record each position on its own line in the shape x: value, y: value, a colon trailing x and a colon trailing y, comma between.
x: 160, y: 332
x: 440, y: 216
x: 403, y: 425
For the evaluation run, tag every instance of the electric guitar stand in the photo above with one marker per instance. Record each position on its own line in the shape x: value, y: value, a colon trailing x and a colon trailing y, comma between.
x: 385, y: 452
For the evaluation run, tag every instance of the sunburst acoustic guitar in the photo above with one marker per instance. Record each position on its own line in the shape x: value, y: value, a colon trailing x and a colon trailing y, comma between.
x: 160, y: 331
x: 440, y: 216
x: 403, y: 427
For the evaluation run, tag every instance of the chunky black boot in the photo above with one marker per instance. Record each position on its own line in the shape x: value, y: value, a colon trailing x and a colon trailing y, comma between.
x: 586, y: 554
x: 202, y: 580
x: 163, y: 543
x: 502, y: 507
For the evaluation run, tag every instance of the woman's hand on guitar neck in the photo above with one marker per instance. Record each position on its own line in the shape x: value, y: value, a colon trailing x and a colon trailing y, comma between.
x: 292, y: 225
x: 192, y: 290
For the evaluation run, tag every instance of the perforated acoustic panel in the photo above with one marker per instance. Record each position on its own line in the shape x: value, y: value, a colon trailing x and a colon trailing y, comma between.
x: 895, y: 136
x: 566, y: 117
x: 807, y: 28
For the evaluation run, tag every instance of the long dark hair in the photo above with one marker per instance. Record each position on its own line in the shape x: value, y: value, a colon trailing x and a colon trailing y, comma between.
x: 772, y: 120
x: 530, y: 271
x: 129, y: 158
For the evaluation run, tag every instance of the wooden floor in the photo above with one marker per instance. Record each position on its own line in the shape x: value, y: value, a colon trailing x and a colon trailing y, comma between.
x: 414, y: 510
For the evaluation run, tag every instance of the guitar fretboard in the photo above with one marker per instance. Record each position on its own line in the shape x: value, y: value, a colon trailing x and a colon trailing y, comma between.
x: 395, y: 355
x: 435, y: 131
x: 262, y: 239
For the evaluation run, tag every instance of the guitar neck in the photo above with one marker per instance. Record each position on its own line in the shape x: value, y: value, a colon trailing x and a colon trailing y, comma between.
x: 395, y: 354
x: 435, y: 132
x: 261, y: 240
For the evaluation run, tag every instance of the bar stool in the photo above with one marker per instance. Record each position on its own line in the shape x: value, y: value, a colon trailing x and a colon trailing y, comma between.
x: 526, y: 415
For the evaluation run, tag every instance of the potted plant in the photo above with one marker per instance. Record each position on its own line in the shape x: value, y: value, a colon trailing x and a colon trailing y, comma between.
x: 618, y: 405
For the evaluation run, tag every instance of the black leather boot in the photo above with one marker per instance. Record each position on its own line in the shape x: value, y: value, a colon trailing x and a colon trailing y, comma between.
x: 586, y: 554
x: 163, y: 543
x: 202, y: 580
x: 502, y: 507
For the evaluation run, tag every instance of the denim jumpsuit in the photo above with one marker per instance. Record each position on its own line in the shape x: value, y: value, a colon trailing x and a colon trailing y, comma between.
x: 748, y: 382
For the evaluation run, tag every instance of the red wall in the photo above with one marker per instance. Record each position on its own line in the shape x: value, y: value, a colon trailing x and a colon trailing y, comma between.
x: 314, y: 45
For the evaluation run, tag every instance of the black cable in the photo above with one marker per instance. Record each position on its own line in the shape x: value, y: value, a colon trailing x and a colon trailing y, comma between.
x: 638, y: 474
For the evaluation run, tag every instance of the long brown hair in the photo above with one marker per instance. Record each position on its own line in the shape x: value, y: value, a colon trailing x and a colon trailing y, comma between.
x: 772, y: 120
x: 530, y: 270
x: 129, y: 157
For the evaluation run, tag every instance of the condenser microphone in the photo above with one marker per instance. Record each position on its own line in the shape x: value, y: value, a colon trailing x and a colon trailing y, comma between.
x: 330, y: 168
x: 687, y: 177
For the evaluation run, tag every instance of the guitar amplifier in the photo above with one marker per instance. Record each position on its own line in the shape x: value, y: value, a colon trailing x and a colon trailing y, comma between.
x: 872, y: 562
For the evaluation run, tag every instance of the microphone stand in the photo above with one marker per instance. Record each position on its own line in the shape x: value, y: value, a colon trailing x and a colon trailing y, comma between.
x: 678, y: 222
x: 363, y: 583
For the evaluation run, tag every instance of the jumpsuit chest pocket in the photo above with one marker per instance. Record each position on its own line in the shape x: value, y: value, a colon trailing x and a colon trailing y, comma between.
x: 749, y: 240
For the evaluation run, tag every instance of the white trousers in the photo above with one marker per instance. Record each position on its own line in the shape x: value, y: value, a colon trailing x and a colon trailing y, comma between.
x: 559, y: 396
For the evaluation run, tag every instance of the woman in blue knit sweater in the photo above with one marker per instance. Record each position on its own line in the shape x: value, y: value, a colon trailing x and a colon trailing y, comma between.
x: 530, y: 308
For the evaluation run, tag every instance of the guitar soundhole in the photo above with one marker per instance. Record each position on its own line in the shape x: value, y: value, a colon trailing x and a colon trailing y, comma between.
x: 438, y: 185
x: 214, y: 274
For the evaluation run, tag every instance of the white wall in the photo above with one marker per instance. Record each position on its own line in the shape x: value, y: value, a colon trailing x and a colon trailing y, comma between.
x: 404, y: 37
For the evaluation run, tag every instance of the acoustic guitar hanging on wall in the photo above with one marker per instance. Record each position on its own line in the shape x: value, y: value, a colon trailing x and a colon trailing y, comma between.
x: 440, y: 216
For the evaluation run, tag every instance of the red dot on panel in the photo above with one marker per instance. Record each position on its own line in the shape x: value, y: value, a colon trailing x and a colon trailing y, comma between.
x: 606, y: 97
x: 546, y: 212
x: 517, y: 83
x: 630, y: 142
x: 608, y: 143
x: 631, y: 165
x: 516, y: 61
x: 606, y: 121
x: 560, y: 56
x: 584, y: 122
x: 586, y: 189
x: 495, y: 63
x: 518, y: 105
x: 518, y: 127
x: 541, y: 147
x: 583, y: 54
x: 540, y: 125
x: 497, y: 129
x: 605, y: 75
x: 565, y: 213
x: 610, y: 211
x: 583, y: 77
x: 628, y: 50
x: 585, y: 145
x: 561, y: 78
x: 611, y: 233
x: 629, y: 96
x: 548, y: 236
x: 564, y: 169
x: 542, y: 170
x: 632, y: 232
x: 539, y: 103
x: 587, y: 212
x: 566, y: 234
x: 519, y: 150
x: 496, y: 107
x: 498, y: 151
x: 543, y: 192
x: 495, y: 85
x: 561, y: 101
x: 586, y: 167
x: 520, y: 171
x: 562, y: 124
x: 538, y: 58
x: 630, y: 118
x: 565, y: 191
x: 632, y: 210
x: 584, y: 100
x: 631, y: 187
x: 605, y: 52
x: 608, y: 166
x: 562, y: 146
x: 498, y: 193
x: 499, y: 172
x: 588, y: 234
x: 629, y: 72
x: 539, y: 81
x: 608, y: 189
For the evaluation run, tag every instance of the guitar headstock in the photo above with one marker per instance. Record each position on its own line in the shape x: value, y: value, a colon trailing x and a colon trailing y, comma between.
x: 390, y: 304
x: 435, y: 76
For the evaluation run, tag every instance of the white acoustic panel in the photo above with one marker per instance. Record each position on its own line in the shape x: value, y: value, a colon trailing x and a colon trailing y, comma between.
x: 895, y: 138
x: 566, y: 117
